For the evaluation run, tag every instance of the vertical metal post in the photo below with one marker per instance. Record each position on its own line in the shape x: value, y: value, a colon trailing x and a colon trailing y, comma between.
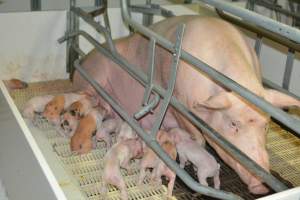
x: 147, y: 18
x: 35, y: 5
x: 129, y: 12
x: 250, y: 5
x: 105, y: 16
x: 98, y: 3
x: 258, y: 44
x: 288, y: 69
x: 72, y: 25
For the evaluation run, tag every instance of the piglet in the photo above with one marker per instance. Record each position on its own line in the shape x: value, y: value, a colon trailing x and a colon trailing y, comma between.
x: 117, y: 157
x: 58, y: 104
x: 68, y: 124
x: 180, y: 134
x: 80, y: 108
x: 125, y: 132
x: 107, y: 127
x: 151, y: 160
x: 14, y: 84
x: 81, y: 141
x: 207, y: 166
x: 35, y: 105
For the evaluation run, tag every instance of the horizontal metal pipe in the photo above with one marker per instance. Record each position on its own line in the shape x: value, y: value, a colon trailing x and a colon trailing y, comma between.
x: 267, y: 34
x: 278, y: 9
x: 151, y: 9
x: 150, y: 141
x: 278, y: 114
x: 259, y: 20
x: 141, y: 77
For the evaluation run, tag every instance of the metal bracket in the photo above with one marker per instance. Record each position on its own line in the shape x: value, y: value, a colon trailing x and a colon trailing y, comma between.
x: 172, y: 81
x: 149, y: 106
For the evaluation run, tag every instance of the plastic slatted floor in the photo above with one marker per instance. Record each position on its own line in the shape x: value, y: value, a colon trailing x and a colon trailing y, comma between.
x: 283, y: 148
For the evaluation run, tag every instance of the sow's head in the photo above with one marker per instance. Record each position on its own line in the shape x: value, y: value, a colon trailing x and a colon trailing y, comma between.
x: 245, y: 126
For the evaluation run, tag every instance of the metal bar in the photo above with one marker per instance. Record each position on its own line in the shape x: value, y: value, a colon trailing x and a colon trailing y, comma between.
x: 172, y: 80
x: 277, y: 113
x: 149, y: 106
x: 147, y: 18
x: 35, y: 5
x: 272, y: 85
x: 215, y: 136
x: 88, y: 19
x: 72, y: 25
x: 153, y: 9
x: 250, y: 4
x: 106, y: 18
x: 276, y: 8
x: 288, y: 69
x: 150, y: 141
x: 258, y: 44
x: 151, y: 71
x: 259, y: 20
x: 260, y: 31
x: 79, y: 51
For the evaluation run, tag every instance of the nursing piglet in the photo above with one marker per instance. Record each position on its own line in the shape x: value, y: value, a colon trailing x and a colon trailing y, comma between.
x: 117, y: 157
x: 207, y: 166
x: 107, y: 127
x: 125, y: 132
x: 151, y: 160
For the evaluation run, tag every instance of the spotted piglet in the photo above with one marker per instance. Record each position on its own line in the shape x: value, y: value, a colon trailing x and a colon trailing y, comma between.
x: 70, y: 118
x: 117, y: 157
x: 81, y: 141
x: 58, y: 104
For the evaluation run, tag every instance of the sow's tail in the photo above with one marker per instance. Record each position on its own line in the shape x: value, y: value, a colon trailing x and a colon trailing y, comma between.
x: 13, y: 84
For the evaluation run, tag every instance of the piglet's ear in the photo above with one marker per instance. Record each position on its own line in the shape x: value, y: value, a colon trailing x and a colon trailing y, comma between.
x: 279, y: 99
x: 216, y: 102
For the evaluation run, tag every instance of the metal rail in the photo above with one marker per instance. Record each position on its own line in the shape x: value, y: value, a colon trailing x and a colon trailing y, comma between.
x: 278, y: 114
x: 148, y: 138
x: 142, y: 78
x: 254, y: 18
x: 237, y: 154
x: 261, y: 33
x: 276, y: 8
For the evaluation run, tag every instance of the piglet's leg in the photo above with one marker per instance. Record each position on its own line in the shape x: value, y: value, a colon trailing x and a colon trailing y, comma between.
x: 122, y: 186
x: 107, y: 139
x: 142, y: 175
x: 182, y: 159
x: 156, y: 175
x: 202, y: 178
x: 171, y: 184
x: 126, y: 165
x: 116, y: 179
x: 217, y: 180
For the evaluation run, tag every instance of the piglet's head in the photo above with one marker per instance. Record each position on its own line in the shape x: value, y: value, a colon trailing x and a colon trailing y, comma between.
x: 243, y: 125
x: 53, y: 109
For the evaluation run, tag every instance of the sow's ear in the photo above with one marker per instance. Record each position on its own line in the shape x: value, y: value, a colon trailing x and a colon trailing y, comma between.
x: 280, y: 100
x: 216, y: 102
